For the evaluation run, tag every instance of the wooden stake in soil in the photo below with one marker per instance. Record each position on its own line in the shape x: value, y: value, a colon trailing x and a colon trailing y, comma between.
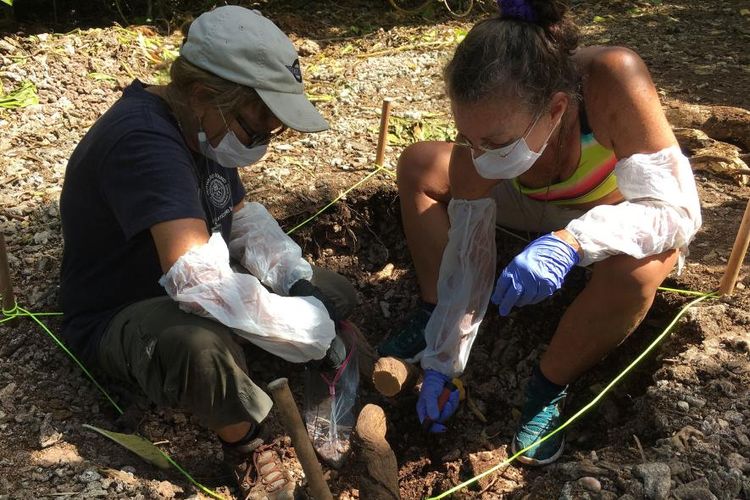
x: 383, y: 137
x: 393, y: 375
x: 292, y: 421
x: 6, y: 287
x: 738, y: 255
x: 380, y: 482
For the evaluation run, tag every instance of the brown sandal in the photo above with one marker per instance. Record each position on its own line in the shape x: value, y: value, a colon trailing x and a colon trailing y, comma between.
x: 259, y: 472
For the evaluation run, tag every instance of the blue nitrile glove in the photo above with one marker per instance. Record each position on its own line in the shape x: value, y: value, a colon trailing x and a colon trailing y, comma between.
x: 534, y: 274
x: 427, y: 405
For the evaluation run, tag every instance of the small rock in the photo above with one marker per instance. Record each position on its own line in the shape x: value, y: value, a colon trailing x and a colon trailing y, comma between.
x: 385, y: 309
x: 683, y: 406
x: 737, y: 461
x: 88, y: 476
x: 694, y: 401
x: 7, y: 390
x: 566, y: 493
x: 656, y: 478
x: 308, y: 48
x: 590, y: 483
x: 695, y: 490
x: 48, y: 435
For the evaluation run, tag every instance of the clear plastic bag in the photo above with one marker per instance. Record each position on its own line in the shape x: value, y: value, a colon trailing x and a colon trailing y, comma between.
x: 330, y: 404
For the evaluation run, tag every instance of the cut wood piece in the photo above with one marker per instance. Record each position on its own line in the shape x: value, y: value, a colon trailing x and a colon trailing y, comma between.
x: 724, y: 123
x: 707, y: 154
x: 393, y: 375
x: 380, y: 480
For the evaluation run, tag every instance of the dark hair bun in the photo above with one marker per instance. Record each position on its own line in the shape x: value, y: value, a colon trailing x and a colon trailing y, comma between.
x: 552, y: 15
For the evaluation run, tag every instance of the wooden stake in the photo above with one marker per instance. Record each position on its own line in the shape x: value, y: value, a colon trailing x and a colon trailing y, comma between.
x: 292, y: 421
x: 392, y: 376
x: 738, y: 255
x: 6, y: 286
x: 380, y: 481
x: 383, y: 137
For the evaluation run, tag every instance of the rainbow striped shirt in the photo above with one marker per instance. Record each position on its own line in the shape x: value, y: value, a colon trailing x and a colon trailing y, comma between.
x: 593, y: 179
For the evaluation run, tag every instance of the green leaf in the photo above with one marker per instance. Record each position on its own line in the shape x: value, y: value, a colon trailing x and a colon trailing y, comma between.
x: 9, y: 2
x: 599, y: 19
x: 137, y: 444
x: 23, y: 96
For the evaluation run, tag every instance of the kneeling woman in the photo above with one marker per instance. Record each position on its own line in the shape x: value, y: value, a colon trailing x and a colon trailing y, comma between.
x: 571, y: 142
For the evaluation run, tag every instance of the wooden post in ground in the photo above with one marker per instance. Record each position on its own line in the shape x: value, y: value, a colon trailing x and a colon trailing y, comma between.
x: 392, y: 376
x: 6, y: 286
x: 292, y: 421
x: 380, y: 480
x: 739, y: 250
x: 383, y: 136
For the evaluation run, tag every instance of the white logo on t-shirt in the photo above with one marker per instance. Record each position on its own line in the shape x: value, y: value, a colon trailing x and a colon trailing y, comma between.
x: 217, y: 190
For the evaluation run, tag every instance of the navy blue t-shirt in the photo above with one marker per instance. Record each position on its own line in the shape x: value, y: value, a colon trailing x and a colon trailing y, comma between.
x: 130, y: 171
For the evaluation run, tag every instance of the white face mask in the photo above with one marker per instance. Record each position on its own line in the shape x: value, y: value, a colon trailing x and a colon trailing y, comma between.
x: 509, y: 161
x: 231, y: 153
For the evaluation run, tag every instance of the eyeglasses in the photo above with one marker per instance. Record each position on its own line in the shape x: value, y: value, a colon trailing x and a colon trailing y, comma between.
x: 258, y: 138
x: 463, y: 141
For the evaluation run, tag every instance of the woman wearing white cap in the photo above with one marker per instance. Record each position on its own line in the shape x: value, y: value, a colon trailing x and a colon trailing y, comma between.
x: 152, y: 208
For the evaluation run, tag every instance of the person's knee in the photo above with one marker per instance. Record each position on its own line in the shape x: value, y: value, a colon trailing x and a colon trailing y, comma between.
x: 636, y: 281
x: 419, y: 162
x: 338, y: 289
x: 347, y: 298
x: 197, y: 354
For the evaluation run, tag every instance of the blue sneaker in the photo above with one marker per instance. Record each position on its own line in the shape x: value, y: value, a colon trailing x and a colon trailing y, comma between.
x: 409, y: 340
x: 541, y: 414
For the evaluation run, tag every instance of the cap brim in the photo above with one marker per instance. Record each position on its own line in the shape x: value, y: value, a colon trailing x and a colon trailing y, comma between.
x: 294, y: 111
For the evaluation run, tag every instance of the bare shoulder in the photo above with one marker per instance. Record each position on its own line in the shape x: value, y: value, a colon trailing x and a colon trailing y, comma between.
x: 621, y: 101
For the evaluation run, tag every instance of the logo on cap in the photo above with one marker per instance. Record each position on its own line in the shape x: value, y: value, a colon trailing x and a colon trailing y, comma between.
x: 295, y: 70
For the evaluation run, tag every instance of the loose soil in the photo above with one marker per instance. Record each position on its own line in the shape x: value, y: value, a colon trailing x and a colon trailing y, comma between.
x: 676, y: 426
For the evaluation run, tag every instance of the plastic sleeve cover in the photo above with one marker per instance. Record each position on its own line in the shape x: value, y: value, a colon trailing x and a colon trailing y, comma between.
x: 297, y: 329
x: 259, y: 243
x: 661, y: 211
x: 467, y: 273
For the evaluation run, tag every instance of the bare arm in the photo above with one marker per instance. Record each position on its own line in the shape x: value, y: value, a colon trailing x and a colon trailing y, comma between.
x: 174, y: 238
x: 623, y: 105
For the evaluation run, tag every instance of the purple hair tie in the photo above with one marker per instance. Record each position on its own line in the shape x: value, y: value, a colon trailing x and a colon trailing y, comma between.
x: 517, y: 9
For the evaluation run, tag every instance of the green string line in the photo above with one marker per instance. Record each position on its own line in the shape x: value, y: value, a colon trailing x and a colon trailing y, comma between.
x: 380, y: 168
x: 13, y: 313
x: 17, y: 311
x: 586, y: 408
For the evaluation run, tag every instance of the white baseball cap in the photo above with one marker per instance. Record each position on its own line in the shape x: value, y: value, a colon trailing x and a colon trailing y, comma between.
x: 242, y: 46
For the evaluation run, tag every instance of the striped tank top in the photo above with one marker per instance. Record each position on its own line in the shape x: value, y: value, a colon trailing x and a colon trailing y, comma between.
x: 593, y: 179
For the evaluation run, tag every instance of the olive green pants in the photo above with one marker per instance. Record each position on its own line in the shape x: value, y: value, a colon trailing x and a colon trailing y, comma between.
x: 180, y: 360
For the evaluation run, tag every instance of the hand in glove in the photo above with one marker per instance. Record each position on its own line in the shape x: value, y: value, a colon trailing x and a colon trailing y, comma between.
x: 534, y: 274
x: 303, y: 288
x: 428, y: 405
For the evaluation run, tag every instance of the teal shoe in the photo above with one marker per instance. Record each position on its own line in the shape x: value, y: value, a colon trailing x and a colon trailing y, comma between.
x: 542, y: 413
x: 409, y: 340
